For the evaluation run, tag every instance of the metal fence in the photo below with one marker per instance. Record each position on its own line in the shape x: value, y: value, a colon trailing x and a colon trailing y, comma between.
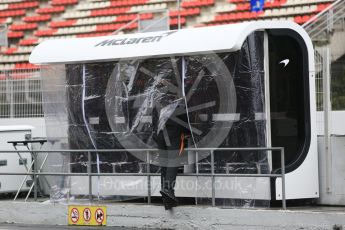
x: 319, y: 79
x: 323, y: 88
x: 36, y: 171
x: 20, y: 93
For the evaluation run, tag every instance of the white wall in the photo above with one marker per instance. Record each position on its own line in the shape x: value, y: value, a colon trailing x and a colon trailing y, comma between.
x: 336, y: 195
x: 337, y: 126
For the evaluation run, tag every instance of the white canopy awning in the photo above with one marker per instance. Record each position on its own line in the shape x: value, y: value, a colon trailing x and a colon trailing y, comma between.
x: 177, y: 42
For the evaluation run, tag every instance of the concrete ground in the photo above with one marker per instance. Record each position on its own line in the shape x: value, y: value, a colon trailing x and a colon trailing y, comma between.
x: 44, y: 215
x: 44, y: 227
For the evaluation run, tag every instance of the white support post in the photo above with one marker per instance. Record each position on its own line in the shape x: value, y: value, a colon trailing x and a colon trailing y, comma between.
x: 267, y: 100
x: 327, y: 121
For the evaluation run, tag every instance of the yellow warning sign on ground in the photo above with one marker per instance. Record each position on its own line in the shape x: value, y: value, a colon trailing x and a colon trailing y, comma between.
x: 87, y: 215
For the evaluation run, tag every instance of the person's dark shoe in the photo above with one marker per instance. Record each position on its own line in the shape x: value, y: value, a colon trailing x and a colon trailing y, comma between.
x: 168, y: 205
x: 169, y: 199
x: 169, y: 194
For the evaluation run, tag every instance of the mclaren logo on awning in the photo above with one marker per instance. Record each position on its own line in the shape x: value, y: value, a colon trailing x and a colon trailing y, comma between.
x: 131, y: 41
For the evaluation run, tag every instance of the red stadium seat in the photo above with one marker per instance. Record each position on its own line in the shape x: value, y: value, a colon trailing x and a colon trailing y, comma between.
x: 25, y: 66
x: 63, y: 2
x: 51, y: 10
x: 62, y: 23
x: 31, y: 41
x: 38, y: 18
x: 29, y: 26
x: 42, y: 33
x: 322, y: 7
x: 23, y: 5
x: 10, y: 50
x: 17, y: 34
x: 11, y: 13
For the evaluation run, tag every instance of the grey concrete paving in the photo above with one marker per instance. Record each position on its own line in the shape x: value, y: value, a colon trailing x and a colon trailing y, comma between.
x: 44, y: 227
x: 184, y: 217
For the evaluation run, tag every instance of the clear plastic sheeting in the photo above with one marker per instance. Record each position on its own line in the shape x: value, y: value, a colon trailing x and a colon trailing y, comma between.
x: 145, y: 97
x: 216, y: 99
x: 55, y: 114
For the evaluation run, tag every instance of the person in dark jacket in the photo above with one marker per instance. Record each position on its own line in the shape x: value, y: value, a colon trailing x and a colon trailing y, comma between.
x: 171, y: 127
x: 171, y: 143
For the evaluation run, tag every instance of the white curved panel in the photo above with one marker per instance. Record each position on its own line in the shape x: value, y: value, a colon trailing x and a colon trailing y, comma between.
x: 177, y: 42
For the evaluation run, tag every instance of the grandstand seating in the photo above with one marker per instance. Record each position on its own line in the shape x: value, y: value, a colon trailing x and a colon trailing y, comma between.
x: 32, y: 21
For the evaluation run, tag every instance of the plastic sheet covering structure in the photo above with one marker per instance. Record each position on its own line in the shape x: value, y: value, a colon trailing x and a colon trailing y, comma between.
x: 218, y: 99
